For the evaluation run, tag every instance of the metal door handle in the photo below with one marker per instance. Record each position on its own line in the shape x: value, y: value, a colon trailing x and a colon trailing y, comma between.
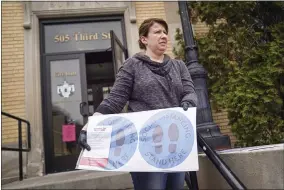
x: 82, y: 105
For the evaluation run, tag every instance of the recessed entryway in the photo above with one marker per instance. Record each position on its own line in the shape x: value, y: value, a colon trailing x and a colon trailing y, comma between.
x: 80, y: 59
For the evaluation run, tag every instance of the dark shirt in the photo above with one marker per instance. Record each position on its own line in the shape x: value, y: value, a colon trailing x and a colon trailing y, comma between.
x: 149, y: 85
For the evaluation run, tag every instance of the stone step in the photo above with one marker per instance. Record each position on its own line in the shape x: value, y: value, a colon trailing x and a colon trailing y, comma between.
x: 264, y: 162
x: 79, y: 179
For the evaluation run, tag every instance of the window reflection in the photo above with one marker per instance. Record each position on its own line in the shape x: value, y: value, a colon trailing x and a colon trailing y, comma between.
x: 65, y: 100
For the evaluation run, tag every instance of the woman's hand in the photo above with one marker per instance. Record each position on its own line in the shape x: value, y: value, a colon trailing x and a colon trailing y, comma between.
x: 82, y: 141
x: 186, y: 105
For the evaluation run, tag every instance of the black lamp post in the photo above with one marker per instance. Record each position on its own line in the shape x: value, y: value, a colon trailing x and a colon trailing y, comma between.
x: 205, y: 125
x: 206, y: 128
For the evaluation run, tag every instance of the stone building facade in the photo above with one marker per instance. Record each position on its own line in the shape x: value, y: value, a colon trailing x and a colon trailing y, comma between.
x: 31, y: 46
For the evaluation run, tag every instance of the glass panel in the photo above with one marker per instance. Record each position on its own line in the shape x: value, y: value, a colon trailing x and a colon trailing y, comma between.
x: 119, y: 55
x: 106, y: 91
x: 119, y: 59
x: 66, y: 98
x: 90, y: 100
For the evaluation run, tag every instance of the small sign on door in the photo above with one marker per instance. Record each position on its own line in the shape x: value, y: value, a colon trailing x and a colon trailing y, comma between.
x: 69, y: 133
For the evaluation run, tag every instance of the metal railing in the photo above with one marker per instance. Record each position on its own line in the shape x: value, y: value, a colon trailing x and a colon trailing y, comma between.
x: 20, y: 141
x: 229, y: 176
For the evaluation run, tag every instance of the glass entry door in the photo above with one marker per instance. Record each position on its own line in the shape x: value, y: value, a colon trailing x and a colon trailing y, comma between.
x: 119, y: 55
x: 119, y: 52
x: 66, y: 109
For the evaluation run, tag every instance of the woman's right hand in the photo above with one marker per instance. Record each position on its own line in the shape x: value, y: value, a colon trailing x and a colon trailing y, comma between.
x: 82, y: 141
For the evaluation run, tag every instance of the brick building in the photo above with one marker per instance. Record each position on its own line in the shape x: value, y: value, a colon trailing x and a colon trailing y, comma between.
x: 36, y: 35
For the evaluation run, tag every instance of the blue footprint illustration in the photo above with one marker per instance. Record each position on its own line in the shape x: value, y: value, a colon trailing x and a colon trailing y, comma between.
x: 120, y: 138
x: 173, y: 134
x: 157, y: 139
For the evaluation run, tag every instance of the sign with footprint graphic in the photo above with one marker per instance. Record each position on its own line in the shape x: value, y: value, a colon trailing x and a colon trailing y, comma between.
x: 166, y: 139
x: 153, y: 141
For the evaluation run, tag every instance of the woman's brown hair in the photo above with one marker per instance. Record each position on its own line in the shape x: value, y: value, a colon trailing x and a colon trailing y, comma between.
x: 146, y: 25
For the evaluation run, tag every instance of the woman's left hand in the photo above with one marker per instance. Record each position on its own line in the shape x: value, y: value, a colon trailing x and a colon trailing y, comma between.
x: 185, y: 106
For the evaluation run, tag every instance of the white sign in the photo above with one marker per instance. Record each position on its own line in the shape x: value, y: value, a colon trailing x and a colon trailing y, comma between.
x: 65, y: 90
x: 153, y: 141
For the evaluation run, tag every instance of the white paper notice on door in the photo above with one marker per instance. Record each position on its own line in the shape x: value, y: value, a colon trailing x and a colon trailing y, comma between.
x: 153, y: 141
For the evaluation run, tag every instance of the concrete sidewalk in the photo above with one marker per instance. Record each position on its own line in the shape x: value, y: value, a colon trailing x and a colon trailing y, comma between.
x: 79, y: 179
x: 259, y: 167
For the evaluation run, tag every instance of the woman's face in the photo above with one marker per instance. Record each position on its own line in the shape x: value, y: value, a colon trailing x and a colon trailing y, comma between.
x: 157, y: 39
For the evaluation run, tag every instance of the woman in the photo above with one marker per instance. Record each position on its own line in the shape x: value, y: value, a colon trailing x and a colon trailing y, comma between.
x: 150, y: 80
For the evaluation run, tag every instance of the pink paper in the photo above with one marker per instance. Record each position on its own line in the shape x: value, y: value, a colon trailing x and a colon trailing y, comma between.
x: 68, y: 133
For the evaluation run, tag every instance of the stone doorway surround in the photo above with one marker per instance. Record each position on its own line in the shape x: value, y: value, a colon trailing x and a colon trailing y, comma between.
x: 33, y: 11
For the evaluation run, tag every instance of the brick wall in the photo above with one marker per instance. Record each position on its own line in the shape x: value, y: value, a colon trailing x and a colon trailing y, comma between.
x: 221, y: 119
x: 13, y: 86
x: 146, y: 10
x: 199, y: 28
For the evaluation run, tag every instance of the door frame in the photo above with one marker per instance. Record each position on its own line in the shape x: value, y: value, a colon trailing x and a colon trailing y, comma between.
x: 114, y: 40
x: 45, y: 82
x: 47, y: 104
